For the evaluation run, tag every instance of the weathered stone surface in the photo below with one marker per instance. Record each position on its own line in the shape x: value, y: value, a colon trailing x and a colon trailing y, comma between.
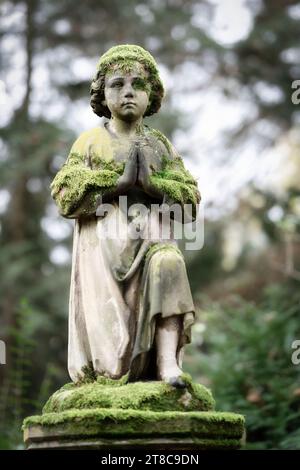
x: 150, y: 395
x: 131, y: 307
x: 139, y: 415
x: 113, y: 428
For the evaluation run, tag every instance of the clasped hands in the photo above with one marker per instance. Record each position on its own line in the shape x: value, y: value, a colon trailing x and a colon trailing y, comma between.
x: 136, y: 173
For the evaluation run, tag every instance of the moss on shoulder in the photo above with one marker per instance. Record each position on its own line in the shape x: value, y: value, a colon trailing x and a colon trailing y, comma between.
x: 159, y: 136
x: 74, y: 181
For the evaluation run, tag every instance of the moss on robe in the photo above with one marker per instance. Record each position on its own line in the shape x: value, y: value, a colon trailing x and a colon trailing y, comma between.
x: 77, y: 180
x: 160, y: 136
x: 90, y: 170
x: 177, y: 182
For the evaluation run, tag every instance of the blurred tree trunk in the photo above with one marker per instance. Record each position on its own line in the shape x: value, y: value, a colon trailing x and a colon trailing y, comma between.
x: 18, y: 211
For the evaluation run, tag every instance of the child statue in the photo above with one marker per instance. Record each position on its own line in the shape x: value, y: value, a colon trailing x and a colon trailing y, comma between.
x: 131, y: 308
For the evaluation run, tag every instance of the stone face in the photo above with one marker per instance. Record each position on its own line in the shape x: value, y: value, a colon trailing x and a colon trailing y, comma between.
x: 140, y: 415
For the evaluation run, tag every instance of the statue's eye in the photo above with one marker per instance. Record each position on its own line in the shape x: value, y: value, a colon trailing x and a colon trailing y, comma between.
x: 139, y: 84
x: 117, y: 84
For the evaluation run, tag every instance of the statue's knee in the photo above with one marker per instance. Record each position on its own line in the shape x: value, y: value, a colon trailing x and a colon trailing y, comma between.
x: 168, y: 260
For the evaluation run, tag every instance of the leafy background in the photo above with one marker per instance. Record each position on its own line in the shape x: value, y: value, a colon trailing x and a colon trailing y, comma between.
x: 228, y: 71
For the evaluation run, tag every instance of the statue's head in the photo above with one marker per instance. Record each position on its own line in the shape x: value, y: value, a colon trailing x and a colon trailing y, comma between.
x: 122, y: 61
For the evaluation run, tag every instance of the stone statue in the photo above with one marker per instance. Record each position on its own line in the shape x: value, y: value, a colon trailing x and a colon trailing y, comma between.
x: 131, y: 308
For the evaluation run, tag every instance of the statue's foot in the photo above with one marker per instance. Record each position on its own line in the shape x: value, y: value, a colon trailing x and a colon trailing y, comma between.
x: 176, y: 382
x: 171, y: 374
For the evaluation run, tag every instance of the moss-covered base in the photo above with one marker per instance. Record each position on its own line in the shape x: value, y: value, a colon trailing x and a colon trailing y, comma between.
x: 115, y: 428
x: 141, y: 415
x: 151, y: 395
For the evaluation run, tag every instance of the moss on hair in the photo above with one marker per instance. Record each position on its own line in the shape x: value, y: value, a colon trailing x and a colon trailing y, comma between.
x: 124, y: 57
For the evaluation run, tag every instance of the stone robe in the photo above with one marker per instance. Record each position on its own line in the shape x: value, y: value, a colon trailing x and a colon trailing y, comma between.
x: 121, y: 284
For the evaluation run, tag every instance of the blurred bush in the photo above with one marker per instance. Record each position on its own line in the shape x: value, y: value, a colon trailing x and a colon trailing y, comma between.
x: 245, y: 350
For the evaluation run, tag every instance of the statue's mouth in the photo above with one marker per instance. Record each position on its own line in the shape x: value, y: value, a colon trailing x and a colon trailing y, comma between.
x: 129, y: 103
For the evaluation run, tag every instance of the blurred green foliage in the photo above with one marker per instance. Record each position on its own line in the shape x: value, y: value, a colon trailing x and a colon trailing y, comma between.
x: 246, y: 352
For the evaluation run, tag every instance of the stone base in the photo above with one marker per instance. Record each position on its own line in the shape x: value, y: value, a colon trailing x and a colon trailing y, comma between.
x: 116, y: 429
x: 140, y: 416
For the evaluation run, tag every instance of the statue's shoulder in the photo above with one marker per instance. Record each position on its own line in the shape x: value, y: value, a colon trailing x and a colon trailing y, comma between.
x: 167, y: 149
x: 161, y: 140
x: 90, y: 139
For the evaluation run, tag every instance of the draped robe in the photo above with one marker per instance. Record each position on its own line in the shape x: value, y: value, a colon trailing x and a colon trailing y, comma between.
x: 121, y: 284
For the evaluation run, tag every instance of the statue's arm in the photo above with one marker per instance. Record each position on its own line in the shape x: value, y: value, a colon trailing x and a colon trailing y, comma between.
x: 174, y: 184
x: 181, y: 191
x: 78, y: 189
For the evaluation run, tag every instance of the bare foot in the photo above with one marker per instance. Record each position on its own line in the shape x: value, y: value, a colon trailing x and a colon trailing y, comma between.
x: 169, y: 372
x: 167, y: 338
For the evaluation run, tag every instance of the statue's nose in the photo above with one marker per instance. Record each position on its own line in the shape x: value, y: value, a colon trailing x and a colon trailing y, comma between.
x: 128, y: 90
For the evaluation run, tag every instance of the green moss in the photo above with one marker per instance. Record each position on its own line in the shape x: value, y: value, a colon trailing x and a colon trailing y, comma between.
x: 77, y: 181
x: 179, y: 192
x: 152, y: 396
x: 124, y: 55
x: 161, y: 247
x: 117, y: 422
x: 220, y: 444
x: 101, y: 164
x: 176, y: 182
x: 113, y: 382
x: 89, y: 374
x: 139, y: 410
x: 160, y: 136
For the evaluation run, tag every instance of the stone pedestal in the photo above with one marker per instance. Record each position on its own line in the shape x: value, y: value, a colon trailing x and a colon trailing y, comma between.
x: 110, y: 415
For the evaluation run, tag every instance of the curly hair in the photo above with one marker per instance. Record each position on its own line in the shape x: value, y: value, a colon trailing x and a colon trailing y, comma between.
x: 124, y: 56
